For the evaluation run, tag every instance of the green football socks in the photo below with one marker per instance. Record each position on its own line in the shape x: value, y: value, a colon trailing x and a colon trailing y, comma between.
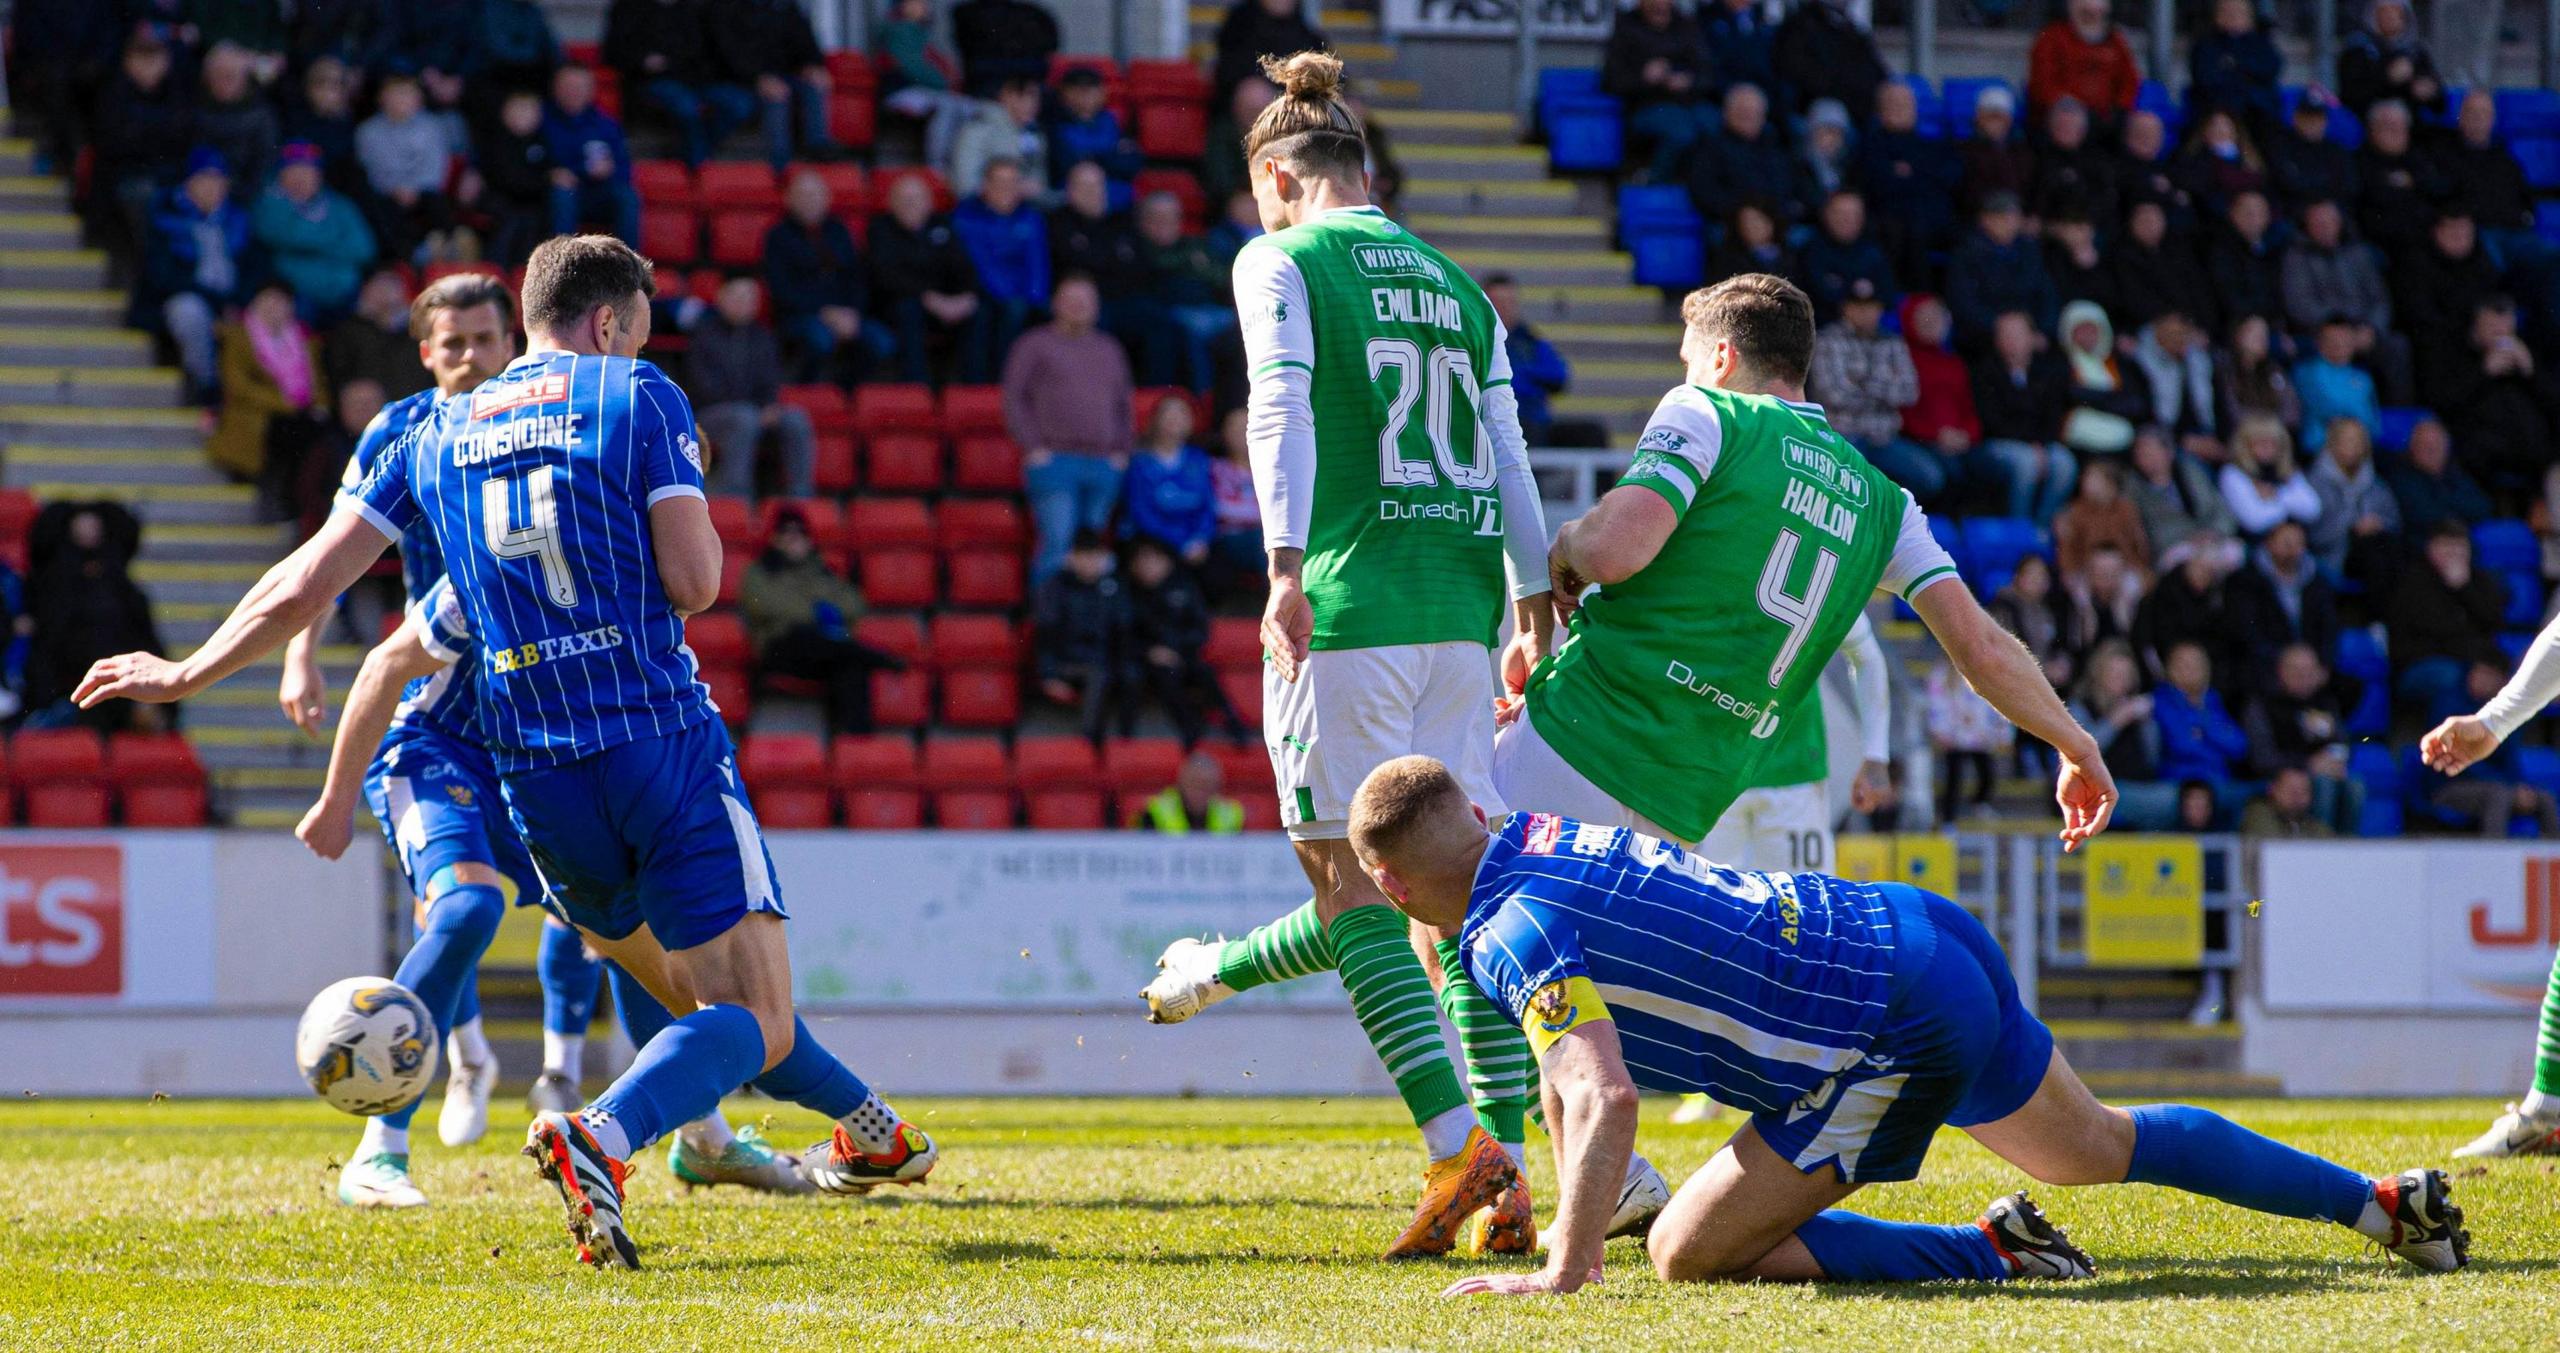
x: 1392, y: 999
x: 1291, y: 947
x: 1501, y: 1077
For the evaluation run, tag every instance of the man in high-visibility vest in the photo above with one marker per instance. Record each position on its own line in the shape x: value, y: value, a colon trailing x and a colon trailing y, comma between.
x: 1192, y: 803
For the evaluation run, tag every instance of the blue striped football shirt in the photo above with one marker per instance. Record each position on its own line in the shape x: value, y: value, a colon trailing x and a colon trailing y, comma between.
x: 421, y: 563
x: 447, y: 702
x: 1751, y: 987
x: 537, y: 488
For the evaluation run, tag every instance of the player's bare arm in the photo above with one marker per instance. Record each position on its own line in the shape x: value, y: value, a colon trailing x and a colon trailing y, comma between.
x: 297, y: 591
x: 2001, y: 669
x: 371, y: 703
x: 1618, y: 536
x: 1288, y: 621
x: 302, y: 692
x: 1591, y: 1113
x: 688, y: 550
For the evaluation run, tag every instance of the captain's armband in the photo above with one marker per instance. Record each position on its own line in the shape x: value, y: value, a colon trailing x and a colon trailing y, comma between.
x: 1559, y: 1008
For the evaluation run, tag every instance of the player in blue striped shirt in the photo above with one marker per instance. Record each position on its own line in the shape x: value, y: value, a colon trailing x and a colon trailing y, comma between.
x: 566, y: 496
x: 1852, y: 1020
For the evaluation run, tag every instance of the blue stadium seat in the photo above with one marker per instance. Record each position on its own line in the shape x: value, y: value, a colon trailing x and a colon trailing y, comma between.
x: 2540, y: 156
x: 1992, y: 580
x: 2513, y: 643
x: 1674, y: 257
x: 2344, y: 129
x: 2506, y: 545
x: 1963, y: 93
x: 2360, y: 655
x: 1586, y: 133
x: 1561, y: 82
x: 2377, y: 766
x: 2540, y: 767
x: 1996, y: 544
x: 2379, y: 817
x: 2524, y: 603
x: 2397, y: 424
x: 2546, y: 221
x: 1933, y: 111
x: 1654, y: 204
x: 2526, y: 111
x: 1950, y: 537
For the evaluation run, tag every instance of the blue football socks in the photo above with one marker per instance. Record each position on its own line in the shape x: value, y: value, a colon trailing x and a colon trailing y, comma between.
x: 680, y: 1075
x: 2180, y: 1146
x: 569, y: 981
x: 439, y: 967
x: 811, y: 1077
x: 1857, y: 1249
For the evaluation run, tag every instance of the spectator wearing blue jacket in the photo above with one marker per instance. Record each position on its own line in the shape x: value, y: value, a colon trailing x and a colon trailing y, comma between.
x: 2199, y: 740
x: 1742, y: 42
x: 821, y: 288
x: 1009, y: 242
x: 1538, y: 371
x: 199, y: 262
x: 2234, y: 66
x: 591, y: 174
x: 1169, y: 496
x: 2331, y: 385
x: 1084, y: 128
x: 316, y: 240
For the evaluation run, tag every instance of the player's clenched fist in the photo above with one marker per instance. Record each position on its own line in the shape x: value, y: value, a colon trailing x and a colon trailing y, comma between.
x: 146, y: 677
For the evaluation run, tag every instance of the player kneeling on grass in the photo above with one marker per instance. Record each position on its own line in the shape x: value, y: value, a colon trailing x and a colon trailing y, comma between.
x: 1851, y: 1020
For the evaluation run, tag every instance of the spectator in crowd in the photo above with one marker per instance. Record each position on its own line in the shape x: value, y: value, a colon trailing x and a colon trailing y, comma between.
x: 2110, y: 703
x: 2398, y: 182
x: 1066, y: 402
x: 83, y: 604
x: 1240, y: 225
x: 1087, y: 235
x: 820, y: 287
x: 2084, y: 55
x: 1744, y: 159
x: 2171, y: 353
x: 2099, y: 604
x: 733, y: 374
x: 2280, y: 598
x: 924, y: 282
x: 2235, y: 65
x: 590, y: 160
x: 444, y: 41
x: 1862, y: 377
x: 668, y: 52
x: 1742, y: 42
x: 917, y: 79
x: 2303, y: 164
x: 1821, y: 52
x: 800, y: 616
x: 2442, y: 622
x: 2431, y: 486
x: 1084, y: 130
x: 2284, y: 810
x: 1840, y: 252
x: 2020, y: 392
x: 234, y: 117
x: 1656, y: 64
x: 1911, y: 181
x: 1008, y: 243
x: 80, y: 43
x: 1538, y: 371
x: 1825, y: 161
x: 2080, y: 270
x: 1967, y: 734
x: 1081, y: 619
x: 2386, y: 60
x: 199, y: 262
x: 1170, y: 497
x: 1222, y: 168
x: 2028, y: 607
x: 1754, y: 241
x: 1169, y: 625
x: 2199, y: 808
x: 1995, y: 159
x: 769, y: 47
x: 2145, y: 174
x: 2098, y: 518
x: 517, y: 50
x: 2332, y: 386
x: 407, y: 156
x: 2073, y: 175
x: 2440, y: 287
x: 1009, y: 130
x: 515, y: 167
x: 2504, y: 407
x: 2357, y: 535
x: 2175, y: 494
x: 1000, y: 40
x: 2248, y: 379
x: 2108, y: 395
x: 2186, y: 605
x: 2155, y: 271
x: 2221, y: 161
x: 275, y: 398
x: 315, y: 240
x: 1943, y: 418
x: 2324, y: 274
x: 1254, y: 29
x: 139, y: 132
x: 2491, y: 186
x: 2263, y: 483
x: 2199, y: 740
x: 374, y: 343
x: 2244, y: 261
x: 2300, y: 718
x: 1194, y: 802
x: 1997, y: 268
x: 350, y: 32
x: 352, y: 408
x: 1236, y: 561
x: 1188, y: 292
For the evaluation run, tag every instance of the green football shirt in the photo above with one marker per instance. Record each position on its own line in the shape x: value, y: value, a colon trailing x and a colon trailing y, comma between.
x: 1672, y: 686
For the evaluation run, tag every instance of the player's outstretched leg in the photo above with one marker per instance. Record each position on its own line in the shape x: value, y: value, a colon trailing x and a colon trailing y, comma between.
x: 871, y: 1144
x: 461, y: 920
x: 570, y: 978
x: 1193, y: 975
x: 2533, y: 1127
x: 471, y: 1072
x: 705, y: 1152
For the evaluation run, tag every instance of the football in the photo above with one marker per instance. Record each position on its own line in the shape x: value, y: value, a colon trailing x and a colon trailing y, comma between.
x: 366, y: 1045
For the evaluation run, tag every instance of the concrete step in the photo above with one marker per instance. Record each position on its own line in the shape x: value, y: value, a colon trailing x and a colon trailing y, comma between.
x: 2147, y: 1045
x: 1392, y: 92
x: 256, y: 779
x: 1336, y: 23
x: 1545, y: 268
x: 216, y: 543
x: 109, y: 468
x: 242, y: 702
x: 1585, y: 343
x: 25, y: 192
x: 90, y: 346
x: 212, y: 505
x: 1478, y: 195
x: 72, y: 267
x: 1504, y: 163
x: 85, y: 305
x: 1547, y: 234
x: 278, y: 747
x: 1629, y: 378
x: 2121, y: 1086
x: 70, y: 383
x: 39, y: 230
x: 1621, y: 414
x: 1590, y: 304
x: 1419, y: 129
x: 68, y: 425
x: 1365, y: 58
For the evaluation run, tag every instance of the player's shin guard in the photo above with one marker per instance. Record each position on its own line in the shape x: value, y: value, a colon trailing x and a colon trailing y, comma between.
x: 2180, y: 1146
x: 679, y: 1076
x: 1501, y: 1078
x: 1856, y: 1249
x: 570, y: 980
x: 1392, y: 999
x: 811, y: 1077
x: 460, y: 923
x: 1291, y: 947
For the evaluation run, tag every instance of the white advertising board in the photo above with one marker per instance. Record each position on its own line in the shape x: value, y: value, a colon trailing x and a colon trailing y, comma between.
x: 1579, y: 20
x: 2417, y: 926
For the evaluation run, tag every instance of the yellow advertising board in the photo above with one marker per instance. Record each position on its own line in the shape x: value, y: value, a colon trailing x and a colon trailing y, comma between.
x: 2144, y: 902
x: 1863, y: 858
x: 1919, y: 859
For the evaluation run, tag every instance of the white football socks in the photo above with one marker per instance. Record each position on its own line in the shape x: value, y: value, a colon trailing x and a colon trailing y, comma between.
x: 468, y: 1045
x: 380, y: 1137
x: 873, y: 1126
x: 709, y: 1136
x: 1446, y: 1134
x: 2540, y: 1107
x: 565, y: 1054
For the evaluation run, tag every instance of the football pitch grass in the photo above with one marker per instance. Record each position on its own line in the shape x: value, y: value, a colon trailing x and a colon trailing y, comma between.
x: 1207, y: 1223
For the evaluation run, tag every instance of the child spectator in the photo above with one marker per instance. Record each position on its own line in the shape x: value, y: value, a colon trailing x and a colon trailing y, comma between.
x: 2100, y: 518
x: 1188, y: 290
x: 2332, y: 386
x: 406, y: 156
x: 2175, y: 494
x: 800, y: 616
x: 2021, y: 390
x: 2199, y: 740
x: 2111, y: 705
x: 733, y: 373
x: 200, y: 262
x: 668, y: 54
x: 1084, y: 130
x: 1169, y: 497
x: 820, y: 287
x: 274, y: 396
x: 1005, y: 131
x: 768, y: 46
x: 1169, y: 625
x: 2263, y: 484
x: 1966, y: 732
x: 1081, y: 620
x: 1009, y: 243
x: 515, y: 168
x: 1066, y: 404
x: 923, y: 281
x: 316, y: 240
x: 591, y: 162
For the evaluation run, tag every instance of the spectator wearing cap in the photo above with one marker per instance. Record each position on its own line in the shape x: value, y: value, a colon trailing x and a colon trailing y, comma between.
x: 1943, y: 418
x: 1864, y: 380
x: 1910, y: 182
x: 2084, y: 55
x: 1997, y: 268
x: 2245, y: 261
x: 1825, y: 158
x: 1067, y: 405
x: 1743, y: 158
x: 668, y: 52
x: 767, y: 46
x: 2326, y: 274
x: 1254, y: 29
x: 924, y: 285
x: 2177, y: 366
x: 1538, y: 371
x: 514, y: 163
x: 2155, y: 270
x: 407, y: 157
x: 733, y: 373
x: 2431, y: 486
x: 234, y: 117
x: 2235, y: 65
x: 1656, y: 64
x: 590, y: 160
x: 820, y: 288
x: 1841, y: 252
x: 1006, y: 129
x: 2387, y: 60
x: 800, y: 616
x: 2021, y: 391
x: 140, y: 129
x: 2332, y: 385
x: 1995, y: 158
x: 200, y: 262
x: 2305, y: 166
x: 2399, y: 183
x: 1084, y: 130
x: 315, y: 240
x: 2072, y: 176
x: 1823, y: 52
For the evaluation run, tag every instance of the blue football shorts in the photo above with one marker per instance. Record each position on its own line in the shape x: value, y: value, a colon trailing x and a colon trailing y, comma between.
x: 439, y: 805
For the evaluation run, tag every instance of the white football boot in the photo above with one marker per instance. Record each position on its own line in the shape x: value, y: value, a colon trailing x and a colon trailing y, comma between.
x: 464, y: 1119
x: 1186, y: 982
x: 379, y: 1180
x: 2514, y: 1134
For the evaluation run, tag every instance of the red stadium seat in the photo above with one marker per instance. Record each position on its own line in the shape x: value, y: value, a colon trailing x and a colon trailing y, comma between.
x: 827, y: 525
x: 67, y: 805
x: 982, y: 697
x: 1244, y: 691
x: 735, y: 519
x: 974, y: 810
x: 853, y: 117
x: 851, y: 69
x: 737, y: 236
x: 795, y: 758
x: 670, y: 235
x: 872, y: 761
x: 703, y: 284
x: 1045, y: 762
x: 901, y: 578
x: 738, y: 185
x: 982, y: 523
x: 891, y: 524
x: 886, y: 181
x: 828, y: 409
x: 963, y: 763
x: 1235, y: 642
x: 1182, y: 183
x: 902, y: 462
x: 582, y: 53
x: 437, y: 272
x: 1261, y: 813
x: 55, y: 754
x: 152, y: 758
x: 973, y: 641
x: 1248, y: 769
x: 790, y: 808
x: 985, y: 463
x: 896, y: 408
x: 663, y: 183
x: 848, y: 188
x: 1172, y: 128
x: 883, y: 810
x: 733, y: 573
x: 1167, y: 79
x: 18, y: 510
x: 970, y: 410
x: 901, y: 699
x: 164, y: 805
x: 1141, y: 765
x: 1066, y: 810
x: 732, y: 692
x: 834, y: 470
x: 718, y: 639
x: 900, y: 636
x: 989, y: 578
